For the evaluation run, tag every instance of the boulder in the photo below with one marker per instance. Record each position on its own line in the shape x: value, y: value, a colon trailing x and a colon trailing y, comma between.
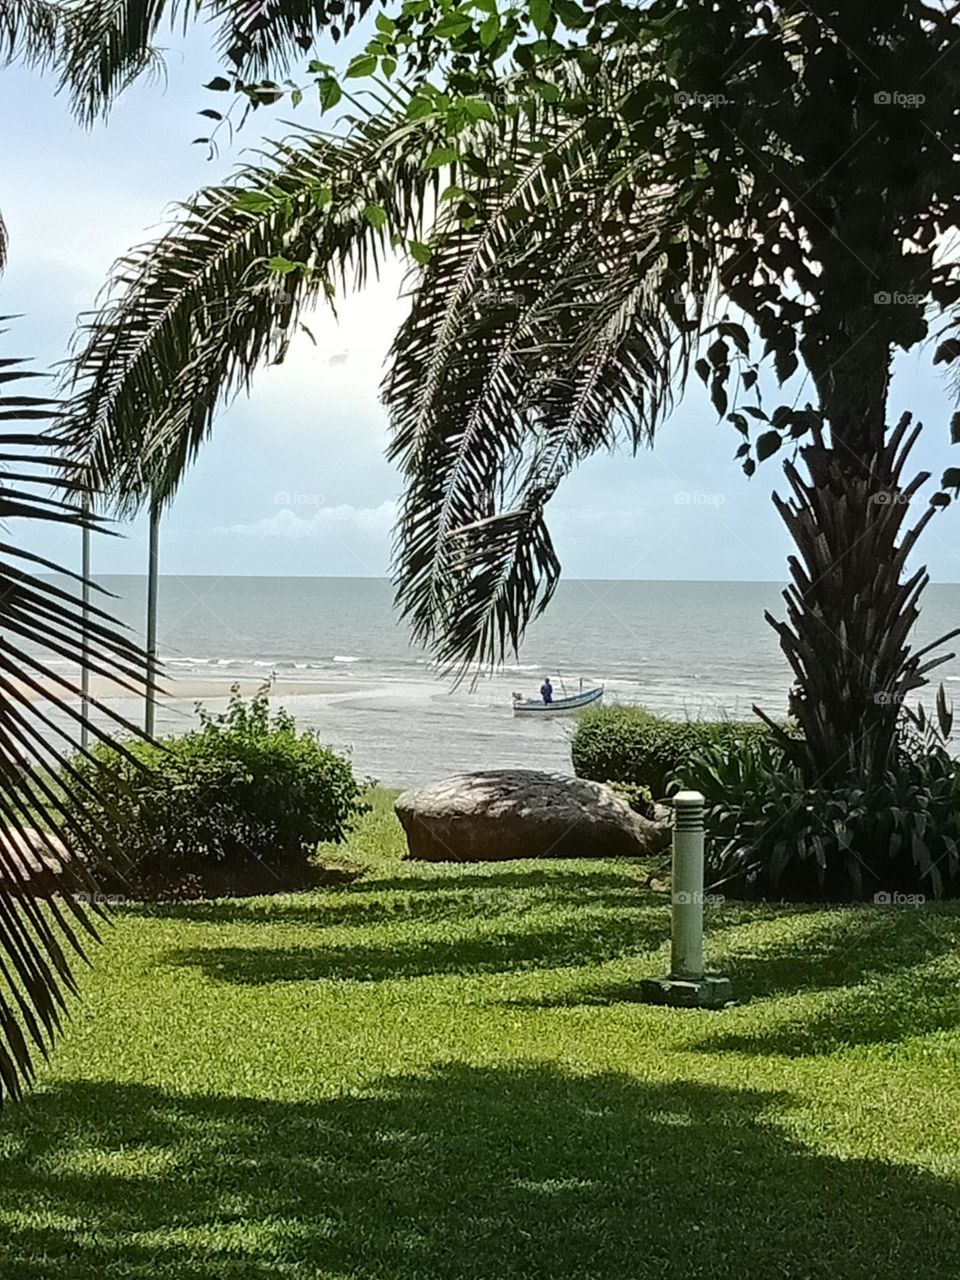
x: 34, y: 857
x: 518, y: 813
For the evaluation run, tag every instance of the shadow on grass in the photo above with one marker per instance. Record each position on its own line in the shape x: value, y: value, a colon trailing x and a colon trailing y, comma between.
x: 463, y: 1174
x: 890, y: 974
x: 866, y: 962
x: 590, y: 939
x: 430, y: 898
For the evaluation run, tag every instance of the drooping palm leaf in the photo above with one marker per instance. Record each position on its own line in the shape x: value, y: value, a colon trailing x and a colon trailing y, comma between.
x: 533, y: 341
x: 192, y: 316
x: 45, y: 891
x: 28, y: 30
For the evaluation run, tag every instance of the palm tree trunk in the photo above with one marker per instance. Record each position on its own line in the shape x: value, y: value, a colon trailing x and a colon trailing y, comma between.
x: 850, y: 607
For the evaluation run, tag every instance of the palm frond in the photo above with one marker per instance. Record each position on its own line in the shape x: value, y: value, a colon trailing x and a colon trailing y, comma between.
x: 29, y: 30
x: 45, y: 889
x: 190, y: 318
x: 107, y: 44
x: 533, y: 341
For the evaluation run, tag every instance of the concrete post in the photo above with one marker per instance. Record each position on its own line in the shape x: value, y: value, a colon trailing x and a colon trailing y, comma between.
x: 686, y: 953
x: 687, y: 985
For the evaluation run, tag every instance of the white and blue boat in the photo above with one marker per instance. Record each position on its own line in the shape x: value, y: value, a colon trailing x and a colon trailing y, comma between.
x: 559, y: 706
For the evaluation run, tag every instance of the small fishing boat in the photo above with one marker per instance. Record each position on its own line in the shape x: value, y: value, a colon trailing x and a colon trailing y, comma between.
x: 559, y: 706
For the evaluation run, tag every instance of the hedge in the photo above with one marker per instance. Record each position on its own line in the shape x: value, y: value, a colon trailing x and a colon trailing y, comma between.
x: 631, y: 745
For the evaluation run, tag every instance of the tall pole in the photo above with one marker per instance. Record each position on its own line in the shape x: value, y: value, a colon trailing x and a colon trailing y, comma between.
x: 85, y: 613
x: 150, y: 709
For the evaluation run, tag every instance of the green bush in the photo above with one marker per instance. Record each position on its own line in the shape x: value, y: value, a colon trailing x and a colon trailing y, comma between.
x: 630, y: 745
x: 639, y: 798
x: 770, y: 835
x: 242, y: 801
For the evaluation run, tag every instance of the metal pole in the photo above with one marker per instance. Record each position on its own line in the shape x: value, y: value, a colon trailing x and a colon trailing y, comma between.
x: 150, y: 709
x: 85, y: 613
x: 686, y: 951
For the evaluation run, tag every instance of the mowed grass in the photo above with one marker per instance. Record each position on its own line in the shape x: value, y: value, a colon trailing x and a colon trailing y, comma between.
x: 443, y: 1073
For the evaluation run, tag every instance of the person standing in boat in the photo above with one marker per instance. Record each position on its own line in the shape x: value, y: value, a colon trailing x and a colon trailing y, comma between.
x: 546, y: 691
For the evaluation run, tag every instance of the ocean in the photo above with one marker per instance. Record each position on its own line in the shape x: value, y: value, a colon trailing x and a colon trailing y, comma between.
x: 341, y: 662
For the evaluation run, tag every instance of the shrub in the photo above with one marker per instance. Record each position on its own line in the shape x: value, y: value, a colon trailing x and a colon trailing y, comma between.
x: 770, y: 835
x: 630, y: 745
x: 242, y: 801
x: 639, y: 798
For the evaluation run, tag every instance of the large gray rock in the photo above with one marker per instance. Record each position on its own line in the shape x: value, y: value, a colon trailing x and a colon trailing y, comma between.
x: 519, y: 813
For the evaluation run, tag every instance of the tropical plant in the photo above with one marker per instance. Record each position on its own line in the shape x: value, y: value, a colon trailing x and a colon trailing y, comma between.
x: 610, y: 219
x: 773, y: 834
x: 48, y: 901
x: 236, y: 805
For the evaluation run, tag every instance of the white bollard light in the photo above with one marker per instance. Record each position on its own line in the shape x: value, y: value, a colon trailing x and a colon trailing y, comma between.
x: 687, y: 985
x: 686, y: 952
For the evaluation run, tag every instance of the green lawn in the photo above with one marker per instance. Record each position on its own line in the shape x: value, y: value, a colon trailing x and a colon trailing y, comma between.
x: 441, y: 1072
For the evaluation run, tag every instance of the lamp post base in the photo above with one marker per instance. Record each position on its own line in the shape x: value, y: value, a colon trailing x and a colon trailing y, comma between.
x: 712, y: 991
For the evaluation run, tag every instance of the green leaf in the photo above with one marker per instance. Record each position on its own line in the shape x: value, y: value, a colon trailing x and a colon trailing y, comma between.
x: 253, y: 202
x: 420, y: 252
x: 296, y: 97
x: 219, y: 84
x: 385, y: 24
x: 419, y: 107
x: 281, y: 266
x: 768, y: 444
x: 376, y: 215
x: 330, y: 93
x: 364, y: 64
x: 439, y: 157
x: 488, y: 31
x: 454, y: 24
x: 477, y: 109
x: 541, y: 13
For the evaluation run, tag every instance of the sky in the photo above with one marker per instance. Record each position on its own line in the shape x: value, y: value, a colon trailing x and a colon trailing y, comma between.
x: 294, y: 480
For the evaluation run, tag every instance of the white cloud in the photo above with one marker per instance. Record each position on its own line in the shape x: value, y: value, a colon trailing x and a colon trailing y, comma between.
x: 344, y: 521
